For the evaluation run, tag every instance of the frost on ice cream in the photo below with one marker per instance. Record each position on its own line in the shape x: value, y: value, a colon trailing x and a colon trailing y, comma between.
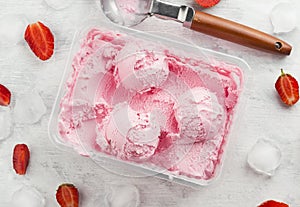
x: 144, y: 103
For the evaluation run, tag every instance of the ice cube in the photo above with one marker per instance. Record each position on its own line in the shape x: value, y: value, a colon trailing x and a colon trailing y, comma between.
x: 58, y: 4
x: 27, y: 197
x: 5, y: 122
x: 12, y: 29
x: 264, y: 157
x: 284, y: 17
x: 122, y: 196
x: 29, y: 108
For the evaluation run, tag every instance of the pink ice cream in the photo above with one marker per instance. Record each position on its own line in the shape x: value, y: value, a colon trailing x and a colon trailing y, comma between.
x: 145, y: 103
x: 130, y: 134
x: 199, y: 114
x: 140, y: 70
x: 131, y: 10
x: 127, y: 6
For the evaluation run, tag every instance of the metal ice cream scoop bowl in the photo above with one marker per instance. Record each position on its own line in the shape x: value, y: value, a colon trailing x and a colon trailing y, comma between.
x: 197, y: 21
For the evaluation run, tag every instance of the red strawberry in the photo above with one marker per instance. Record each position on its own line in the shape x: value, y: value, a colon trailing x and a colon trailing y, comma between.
x: 40, y: 40
x: 67, y: 195
x: 272, y: 203
x: 287, y: 88
x: 207, y: 3
x: 4, y: 96
x: 21, y: 158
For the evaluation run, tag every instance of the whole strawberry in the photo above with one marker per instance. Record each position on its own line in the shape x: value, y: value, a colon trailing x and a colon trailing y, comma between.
x: 272, y: 203
x: 67, y: 195
x: 287, y: 88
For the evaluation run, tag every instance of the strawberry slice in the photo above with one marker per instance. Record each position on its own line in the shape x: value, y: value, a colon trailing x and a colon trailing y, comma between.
x: 67, y: 195
x: 40, y: 40
x: 272, y: 203
x: 21, y: 158
x: 5, y: 96
x: 207, y: 3
x: 287, y: 88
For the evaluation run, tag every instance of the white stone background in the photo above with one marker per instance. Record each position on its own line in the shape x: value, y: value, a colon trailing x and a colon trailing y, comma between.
x: 264, y: 115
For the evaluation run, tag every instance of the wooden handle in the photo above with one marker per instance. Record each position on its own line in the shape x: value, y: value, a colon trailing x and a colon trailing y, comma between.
x: 238, y: 33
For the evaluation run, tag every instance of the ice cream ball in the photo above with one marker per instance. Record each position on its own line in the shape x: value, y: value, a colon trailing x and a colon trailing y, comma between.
x: 139, y: 70
x: 131, y: 135
x: 199, y: 114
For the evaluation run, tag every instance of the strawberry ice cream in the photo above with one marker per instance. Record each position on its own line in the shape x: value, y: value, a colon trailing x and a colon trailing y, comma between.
x: 199, y: 114
x: 144, y: 103
x: 142, y: 69
x: 130, y: 134
x: 129, y: 10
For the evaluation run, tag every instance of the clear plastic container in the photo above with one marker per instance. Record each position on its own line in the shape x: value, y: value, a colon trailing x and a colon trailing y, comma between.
x: 190, y: 53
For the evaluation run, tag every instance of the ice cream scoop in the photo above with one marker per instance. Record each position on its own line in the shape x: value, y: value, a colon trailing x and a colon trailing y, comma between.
x: 199, y: 115
x: 141, y: 70
x: 133, y: 12
x: 131, y: 135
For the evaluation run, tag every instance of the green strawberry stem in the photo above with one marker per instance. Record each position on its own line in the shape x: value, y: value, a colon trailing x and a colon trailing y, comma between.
x: 282, y: 73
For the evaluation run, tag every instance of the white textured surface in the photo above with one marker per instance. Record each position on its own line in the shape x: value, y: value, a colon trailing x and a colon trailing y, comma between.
x: 238, y: 185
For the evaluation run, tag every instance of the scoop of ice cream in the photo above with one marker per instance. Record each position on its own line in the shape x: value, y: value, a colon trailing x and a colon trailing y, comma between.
x: 131, y: 12
x: 159, y: 103
x: 199, y: 115
x: 127, y: 8
x: 141, y: 69
x: 131, y: 135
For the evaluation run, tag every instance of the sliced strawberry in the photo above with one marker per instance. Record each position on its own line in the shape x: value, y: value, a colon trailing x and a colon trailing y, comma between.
x: 207, y: 3
x: 272, y: 203
x: 21, y: 158
x: 287, y: 88
x: 5, y: 96
x: 67, y: 195
x: 40, y: 40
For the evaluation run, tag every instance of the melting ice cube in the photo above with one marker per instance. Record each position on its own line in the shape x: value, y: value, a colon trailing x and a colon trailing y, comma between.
x: 58, y: 4
x: 284, y: 17
x: 264, y: 157
x: 12, y: 29
x: 29, y: 108
x: 27, y: 197
x: 5, y: 123
x: 122, y: 196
